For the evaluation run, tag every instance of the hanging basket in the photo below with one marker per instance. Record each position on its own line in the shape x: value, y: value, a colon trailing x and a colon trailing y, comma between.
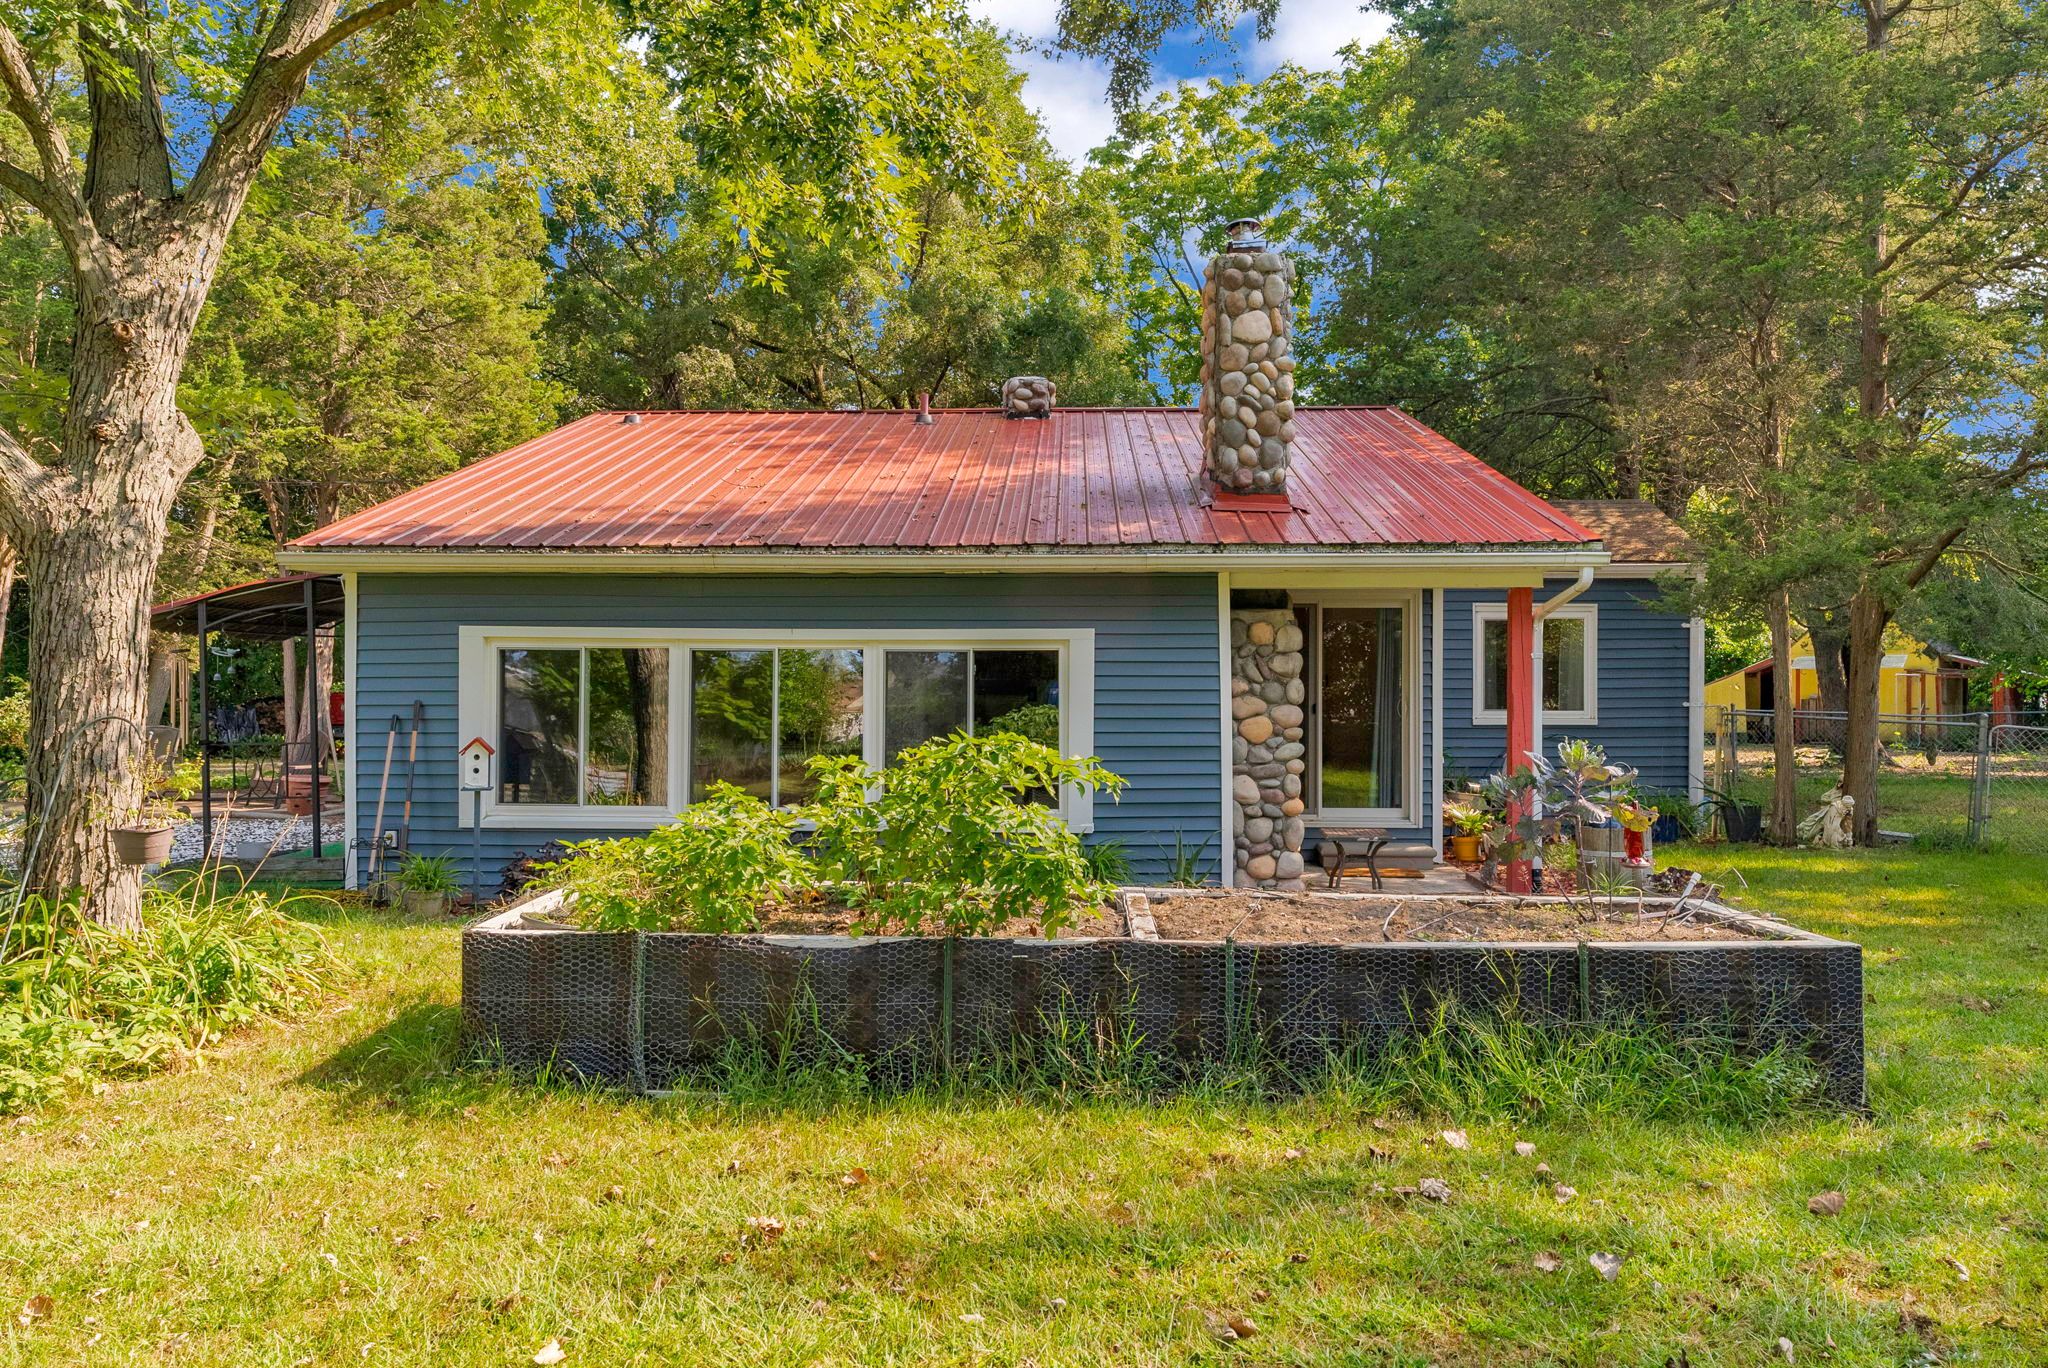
x: 142, y: 845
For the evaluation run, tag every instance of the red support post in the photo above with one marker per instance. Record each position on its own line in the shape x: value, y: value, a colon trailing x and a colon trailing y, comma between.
x: 1521, y: 626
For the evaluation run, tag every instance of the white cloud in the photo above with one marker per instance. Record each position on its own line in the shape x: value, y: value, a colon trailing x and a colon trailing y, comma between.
x: 1309, y: 33
x: 1072, y: 96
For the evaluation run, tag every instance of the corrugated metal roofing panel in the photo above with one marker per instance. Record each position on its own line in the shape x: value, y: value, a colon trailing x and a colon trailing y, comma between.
x: 1097, y: 479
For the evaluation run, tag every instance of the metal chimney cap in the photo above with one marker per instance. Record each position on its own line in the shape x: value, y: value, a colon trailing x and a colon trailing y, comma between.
x: 629, y: 419
x: 1245, y: 232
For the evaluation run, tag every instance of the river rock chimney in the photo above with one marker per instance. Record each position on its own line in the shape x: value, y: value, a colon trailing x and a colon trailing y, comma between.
x: 1247, y: 401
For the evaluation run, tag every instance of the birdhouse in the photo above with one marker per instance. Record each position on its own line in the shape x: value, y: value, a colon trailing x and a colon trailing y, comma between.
x: 476, y: 764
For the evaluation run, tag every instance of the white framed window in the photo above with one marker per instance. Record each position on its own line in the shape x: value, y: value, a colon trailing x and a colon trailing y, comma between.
x: 618, y: 728
x: 1363, y: 738
x: 1570, y: 638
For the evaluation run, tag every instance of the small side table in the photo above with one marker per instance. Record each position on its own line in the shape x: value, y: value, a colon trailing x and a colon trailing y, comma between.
x: 1343, y: 845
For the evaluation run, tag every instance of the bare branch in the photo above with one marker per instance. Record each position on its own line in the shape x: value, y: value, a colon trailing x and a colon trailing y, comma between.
x: 24, y: 186
x: 63, y: 203
x: 305, y: 32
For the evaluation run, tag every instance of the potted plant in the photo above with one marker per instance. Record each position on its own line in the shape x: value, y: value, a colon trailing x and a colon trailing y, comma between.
x: 1677, y: 819
x: 1740, y: 821
x: 426, y: 884
x: 1468, y: 825
x: 142, y: 834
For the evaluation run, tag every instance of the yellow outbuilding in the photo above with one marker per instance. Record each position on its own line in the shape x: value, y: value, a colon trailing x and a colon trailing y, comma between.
x: 1916, y: 680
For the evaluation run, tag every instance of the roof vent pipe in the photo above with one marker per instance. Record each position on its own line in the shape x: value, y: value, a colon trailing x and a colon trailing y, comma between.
x: 1248, y: 365
x: 924, y: 409
x: 629, y: 419
x: 1028, y: 396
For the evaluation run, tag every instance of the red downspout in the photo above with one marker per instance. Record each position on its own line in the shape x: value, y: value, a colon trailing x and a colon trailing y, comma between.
x: 1521, y: 709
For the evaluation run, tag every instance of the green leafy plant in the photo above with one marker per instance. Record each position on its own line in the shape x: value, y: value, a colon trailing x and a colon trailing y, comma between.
x: 430, y: 874
x: 1109, y: 861
x: 1186, y: 867
x: 949, y: 839
x: 1471, y: 821
x: 80, y: 1001
x: 1677, y: 808
x: 713, y: 869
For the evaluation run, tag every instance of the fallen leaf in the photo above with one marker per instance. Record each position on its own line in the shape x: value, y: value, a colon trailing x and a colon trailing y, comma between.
x: 1524, y: 1148
x: 1785, y: 1348
x: 1057, y: 1304
x: 857, y: 1178
x: 1381, y: 1123
x: 551, y: 1352
x: 1378, y: 1155
x: 1962, y: 1273
x: 1542, y: 1170
x: 1435, y: 1189
x: 1563, y: 1193
x: 1243, y: 1326
x: 767, y: 1227
x: 1547, y: 1262
x: 36, y: 1308
x: 558, y: 1161
x: 1608, y: 1265
x: 1826, y: 1203
x: 614, y: 1193
x: 1456, y: 1139
x: 1297, y: 1258
x: 972, y: 1318
x: 1261, y: 1295
x: 1291, y: 1155
x: 1981, y: 1147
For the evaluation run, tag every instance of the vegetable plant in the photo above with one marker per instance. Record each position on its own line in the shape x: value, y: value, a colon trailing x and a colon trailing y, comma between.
x: 712, y: 869
x: 949, y: 839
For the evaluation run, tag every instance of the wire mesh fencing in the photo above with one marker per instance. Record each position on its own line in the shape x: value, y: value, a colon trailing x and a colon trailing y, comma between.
x: 1950, y: 778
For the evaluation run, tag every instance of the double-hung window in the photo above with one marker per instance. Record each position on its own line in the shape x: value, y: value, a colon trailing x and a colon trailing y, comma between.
x: 1570, y: 638
x: 600, y: 727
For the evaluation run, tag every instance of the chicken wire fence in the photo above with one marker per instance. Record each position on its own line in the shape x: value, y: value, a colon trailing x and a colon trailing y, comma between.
x: 1960, y: 777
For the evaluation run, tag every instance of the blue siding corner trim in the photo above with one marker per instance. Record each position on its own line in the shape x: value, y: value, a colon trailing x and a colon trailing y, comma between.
x: 1156, y: 682
x: 1645, y: 661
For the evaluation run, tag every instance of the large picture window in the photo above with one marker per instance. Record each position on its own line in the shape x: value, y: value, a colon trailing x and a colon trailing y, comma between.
x: 1360, y: 715
x: 758, y: 716
x: 1570, y: 639
x: 616, y: 734
x: 583, y: 726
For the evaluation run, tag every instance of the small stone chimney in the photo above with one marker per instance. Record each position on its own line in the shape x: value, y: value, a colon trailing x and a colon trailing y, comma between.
x: 1028, y: 396
x: 1248, y: 365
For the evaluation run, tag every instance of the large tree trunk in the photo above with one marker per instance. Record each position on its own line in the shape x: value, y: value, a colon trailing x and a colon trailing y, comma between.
x: 1784, y: 740
x: 1868, y: 618
x: 1828, y: 628
x: 10, y: 563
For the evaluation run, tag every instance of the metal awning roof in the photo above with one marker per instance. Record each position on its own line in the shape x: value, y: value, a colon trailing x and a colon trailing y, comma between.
x: 1084, y: 480
x: 263, y: 610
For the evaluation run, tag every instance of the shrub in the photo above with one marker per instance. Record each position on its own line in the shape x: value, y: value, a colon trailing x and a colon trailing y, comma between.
x: 711, y: 870
x: 79, y: 1001
x: 949, y: 838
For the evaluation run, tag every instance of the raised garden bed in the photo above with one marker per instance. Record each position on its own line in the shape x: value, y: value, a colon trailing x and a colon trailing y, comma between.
x: 1323, y: 974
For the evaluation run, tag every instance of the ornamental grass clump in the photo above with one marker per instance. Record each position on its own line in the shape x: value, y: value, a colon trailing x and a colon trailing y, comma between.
x: 81, y: 1002
x: 713, y: 869
x: 959, y: 836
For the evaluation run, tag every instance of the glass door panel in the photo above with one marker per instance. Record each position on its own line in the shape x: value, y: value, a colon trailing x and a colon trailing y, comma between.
x: 1364, y: 750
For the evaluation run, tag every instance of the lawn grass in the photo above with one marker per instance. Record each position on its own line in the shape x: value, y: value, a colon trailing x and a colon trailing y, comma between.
x: 333, y: 1191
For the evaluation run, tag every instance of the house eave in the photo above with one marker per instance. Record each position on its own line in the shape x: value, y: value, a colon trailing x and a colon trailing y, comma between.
x: 1551, y: 559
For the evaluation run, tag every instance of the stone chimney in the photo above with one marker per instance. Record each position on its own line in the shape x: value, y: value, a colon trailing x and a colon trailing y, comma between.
x: 1248, y: 364
x: 1028, y: 396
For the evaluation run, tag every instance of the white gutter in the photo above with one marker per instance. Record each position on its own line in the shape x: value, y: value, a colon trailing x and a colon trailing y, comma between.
x: 1544, y: 610
x: 324, y: 559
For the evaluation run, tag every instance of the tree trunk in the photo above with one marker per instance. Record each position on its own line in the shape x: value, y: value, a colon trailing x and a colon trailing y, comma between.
x: 10, y: 562
x: 1868, y: 617
x: 89, y: 620
x: 1784, y: 722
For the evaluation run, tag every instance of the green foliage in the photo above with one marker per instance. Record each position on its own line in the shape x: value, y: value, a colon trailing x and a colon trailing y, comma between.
x: 80, y: 1002
x: 1186, y: 867
x: 1038, y: 722
x: 1471, y: 821
x: 14, y: 719
x: 428, y: 874
x: 711, y: 870
x: 1108, y: 861
x: 1580, y: 788
x: 1679, y: 808
x: 951, y: 842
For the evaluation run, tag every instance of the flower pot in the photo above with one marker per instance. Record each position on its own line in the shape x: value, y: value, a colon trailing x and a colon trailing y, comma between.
x: 1666, y: 830
x: 425, y: 904
x: 1465, y: 848
x: 1743, y: 821
x: 142, y: 845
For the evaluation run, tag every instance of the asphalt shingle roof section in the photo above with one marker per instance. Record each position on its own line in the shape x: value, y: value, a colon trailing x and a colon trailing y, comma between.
x: 1085, y: 479
x: 1636, y: 531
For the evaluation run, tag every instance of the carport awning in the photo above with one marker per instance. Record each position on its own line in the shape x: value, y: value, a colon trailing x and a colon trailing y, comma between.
x: 262, y: 610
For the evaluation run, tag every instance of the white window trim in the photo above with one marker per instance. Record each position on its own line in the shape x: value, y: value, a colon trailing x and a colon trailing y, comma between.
x: 1588, y: 613
x: 478, y: 699
x: 1408, y: 814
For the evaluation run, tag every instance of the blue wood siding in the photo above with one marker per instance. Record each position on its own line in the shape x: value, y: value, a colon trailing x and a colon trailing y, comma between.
x: 1645, y: 665
x: 1156, y: 684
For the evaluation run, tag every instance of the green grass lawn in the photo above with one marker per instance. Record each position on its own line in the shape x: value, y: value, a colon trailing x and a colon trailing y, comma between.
x: 330, y: 1191
x: 1930, y: 804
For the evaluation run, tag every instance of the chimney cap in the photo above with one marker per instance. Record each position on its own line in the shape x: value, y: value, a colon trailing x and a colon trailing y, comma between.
x: 629, y: 419
x: 1245, y: 232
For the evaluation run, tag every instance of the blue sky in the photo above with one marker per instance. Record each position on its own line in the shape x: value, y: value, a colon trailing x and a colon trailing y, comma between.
x: 1069, y: 95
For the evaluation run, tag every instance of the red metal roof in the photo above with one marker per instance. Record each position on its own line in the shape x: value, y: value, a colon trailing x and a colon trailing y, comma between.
x: 1095, y: 479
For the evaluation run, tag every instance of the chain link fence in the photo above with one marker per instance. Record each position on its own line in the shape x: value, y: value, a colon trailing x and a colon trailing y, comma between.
x: 1953, y: 778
